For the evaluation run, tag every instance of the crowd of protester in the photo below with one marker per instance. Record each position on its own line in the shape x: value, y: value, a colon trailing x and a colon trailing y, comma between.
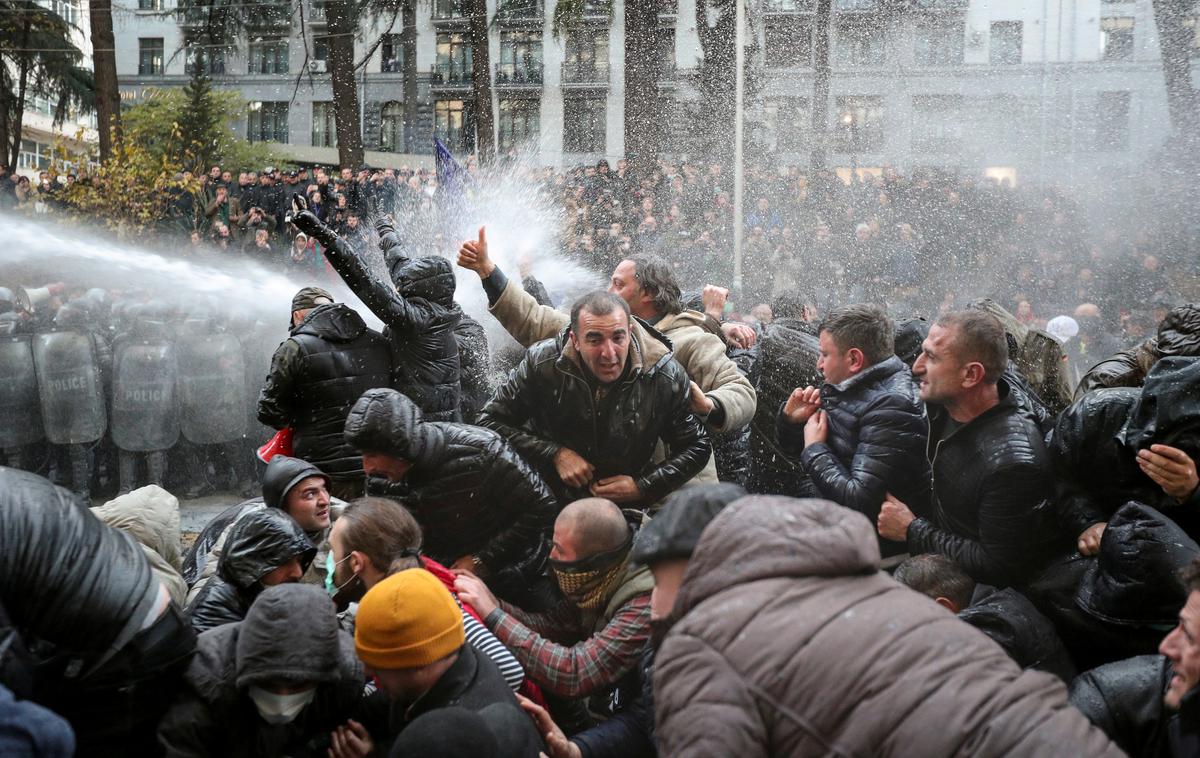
x: 925, y: 483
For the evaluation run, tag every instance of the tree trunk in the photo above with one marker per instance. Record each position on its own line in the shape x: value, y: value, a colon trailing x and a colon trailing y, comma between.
x: 1174, y: 41
x: 104, y: 58
x: 343, y: 27
x: 19, y: 106
x: 717, y: 81
x: 481, y: 83
x: 5, y: 109
x: 408, y: 40
x: 821, y: 76
x: 642, y: 116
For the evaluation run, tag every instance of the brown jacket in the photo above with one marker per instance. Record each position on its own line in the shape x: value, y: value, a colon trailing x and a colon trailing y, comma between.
x: 792, y: 643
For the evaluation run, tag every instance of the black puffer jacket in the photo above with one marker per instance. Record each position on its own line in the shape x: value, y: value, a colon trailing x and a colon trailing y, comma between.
x: 993, y: 491
x: 1116, y: 604
x: 67, y: 581
x: 1125, y: 699
x: 330, y: 359
x: 878, y: 434
x: 787, y: 358
x: 1016, y: 625
x: 468, y: 489
x: 1178, y: 335
x: 1095, y: 443
x: 475, y: 379
x: 291, y: 635
x: 418, y: 309
x: 547, y: 404
x: 259, y: 543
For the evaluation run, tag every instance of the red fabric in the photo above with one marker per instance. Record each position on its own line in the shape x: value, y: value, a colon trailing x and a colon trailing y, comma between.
x: 446, y: 577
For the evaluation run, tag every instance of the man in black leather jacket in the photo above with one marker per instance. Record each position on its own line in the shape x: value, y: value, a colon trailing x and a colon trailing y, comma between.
x: 863, y: 434
x: 419, y: 312
x: 588, y: 407
x: 317, y: 374
x: 992, y: 480
x: 481, y: 507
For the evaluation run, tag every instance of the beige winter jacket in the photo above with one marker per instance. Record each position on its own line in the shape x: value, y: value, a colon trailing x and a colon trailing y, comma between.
x: 792, y: 643
x: 150, y: 515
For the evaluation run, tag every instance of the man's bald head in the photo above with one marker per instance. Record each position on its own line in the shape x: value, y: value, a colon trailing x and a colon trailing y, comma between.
x: 590, y: 526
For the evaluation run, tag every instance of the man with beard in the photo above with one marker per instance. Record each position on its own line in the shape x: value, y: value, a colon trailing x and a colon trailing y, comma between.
x: 664, y: 545
x: 607, y: 606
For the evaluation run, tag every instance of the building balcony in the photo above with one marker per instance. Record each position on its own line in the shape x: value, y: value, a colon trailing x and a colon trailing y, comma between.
x: 513, y: 75
x: 316, y: 12
x: 451, y: 10
x: 520, y: 12
x: 788, y: 6
x: 584, y: 73
x: 448, y: 75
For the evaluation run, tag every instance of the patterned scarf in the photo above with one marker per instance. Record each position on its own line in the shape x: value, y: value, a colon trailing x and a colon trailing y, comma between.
x: 587, y: 583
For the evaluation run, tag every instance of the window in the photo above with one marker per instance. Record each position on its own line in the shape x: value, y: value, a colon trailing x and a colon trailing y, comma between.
x: 664, y: 45
x: 150, y: 56
x: 786, y: 120
x: 391, y: 127
x: 1005, y: 40
x: 67, y: 10
x: 1191, y: 24
x: 200, y: 57
x: 34, y: 155
x: 1112, y: 121
x: 584, y: 121
x: 520, y: 57
x: 267, y: 122
x: 858, y: 42
x: 937, y: 124
x: 449, y: 124
x: 268, y: 55
x: 453, y: 64
x: 939, y: 43
x: 324, y: 127
x: 788, y: 42
x: 860, y: 124
x: 391, y: 54
x: 586, y: 58
x: 321, y: 49
x: 150, y: 5
x: 450, y: 8
x: 520, y: 122
x: 1116, y: 38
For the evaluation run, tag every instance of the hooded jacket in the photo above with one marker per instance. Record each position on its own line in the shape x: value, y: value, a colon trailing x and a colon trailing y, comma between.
x: 1095, y: 442
x: 417, y: 308
x: 329, y: 360
x: 151, y: 516
x: 792, y: 642
x: 467, y: 488
x: 1178, y: 335
x: 547, y: 403
x: 290, y: 634
x: 1125, y: 699
x: 259, y: 543
x: 1015, y: 624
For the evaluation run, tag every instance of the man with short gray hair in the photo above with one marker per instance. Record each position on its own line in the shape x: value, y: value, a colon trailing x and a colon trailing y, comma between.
x: 862, y: 434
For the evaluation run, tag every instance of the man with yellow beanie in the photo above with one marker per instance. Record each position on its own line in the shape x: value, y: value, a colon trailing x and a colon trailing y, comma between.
x: 409, y: 636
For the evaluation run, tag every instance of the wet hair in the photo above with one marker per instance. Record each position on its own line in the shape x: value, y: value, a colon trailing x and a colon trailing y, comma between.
x: 382, y: 530
x: 597, y: 303
x: 656, y: 277
x: 936, y: 576
x: 979, y: 337
x: 864, y: 326
x: 791, y: 304
x: 1189, y: 575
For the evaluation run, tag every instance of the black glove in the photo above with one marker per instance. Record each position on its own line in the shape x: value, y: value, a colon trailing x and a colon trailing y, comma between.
x: 306, y: 221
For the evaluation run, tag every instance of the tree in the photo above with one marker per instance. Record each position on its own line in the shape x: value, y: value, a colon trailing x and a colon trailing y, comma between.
x: 481, y: 82
x: 822, y: 73
x: 1175, y: 46
x: 104, y: 61
x: 343, y: 18
x: 37, y: 59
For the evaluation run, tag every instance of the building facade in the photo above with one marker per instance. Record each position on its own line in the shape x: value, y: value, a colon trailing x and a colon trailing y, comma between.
x: 1069, y: 90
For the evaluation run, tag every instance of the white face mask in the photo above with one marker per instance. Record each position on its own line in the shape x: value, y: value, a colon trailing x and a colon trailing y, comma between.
x: 280, y: 709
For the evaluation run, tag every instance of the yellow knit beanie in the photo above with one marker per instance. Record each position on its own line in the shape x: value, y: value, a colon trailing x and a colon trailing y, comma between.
x: 406, y: 621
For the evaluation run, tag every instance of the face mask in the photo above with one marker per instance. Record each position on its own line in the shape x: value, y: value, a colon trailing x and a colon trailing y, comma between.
x: 280, y: 709
x: 330, y: 568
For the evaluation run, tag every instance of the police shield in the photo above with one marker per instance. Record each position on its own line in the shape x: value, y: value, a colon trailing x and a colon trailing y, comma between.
x: 212, y: 388
x: 68, y: 377
x: 20, y: 415
x: 145, y: 408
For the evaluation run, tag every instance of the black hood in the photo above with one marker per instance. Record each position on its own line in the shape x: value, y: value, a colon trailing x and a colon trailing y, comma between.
x: 283, y: 473
x: 429, y: 277
x: 675, y: 530
x: 1179, y: 332
x: 260, y: 542
x: 289, y: 635
x: 910, y: 333
x: 1167, y: 411
x: 1134, y: 581
x: 335, y: 322
x: 386, y: 421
